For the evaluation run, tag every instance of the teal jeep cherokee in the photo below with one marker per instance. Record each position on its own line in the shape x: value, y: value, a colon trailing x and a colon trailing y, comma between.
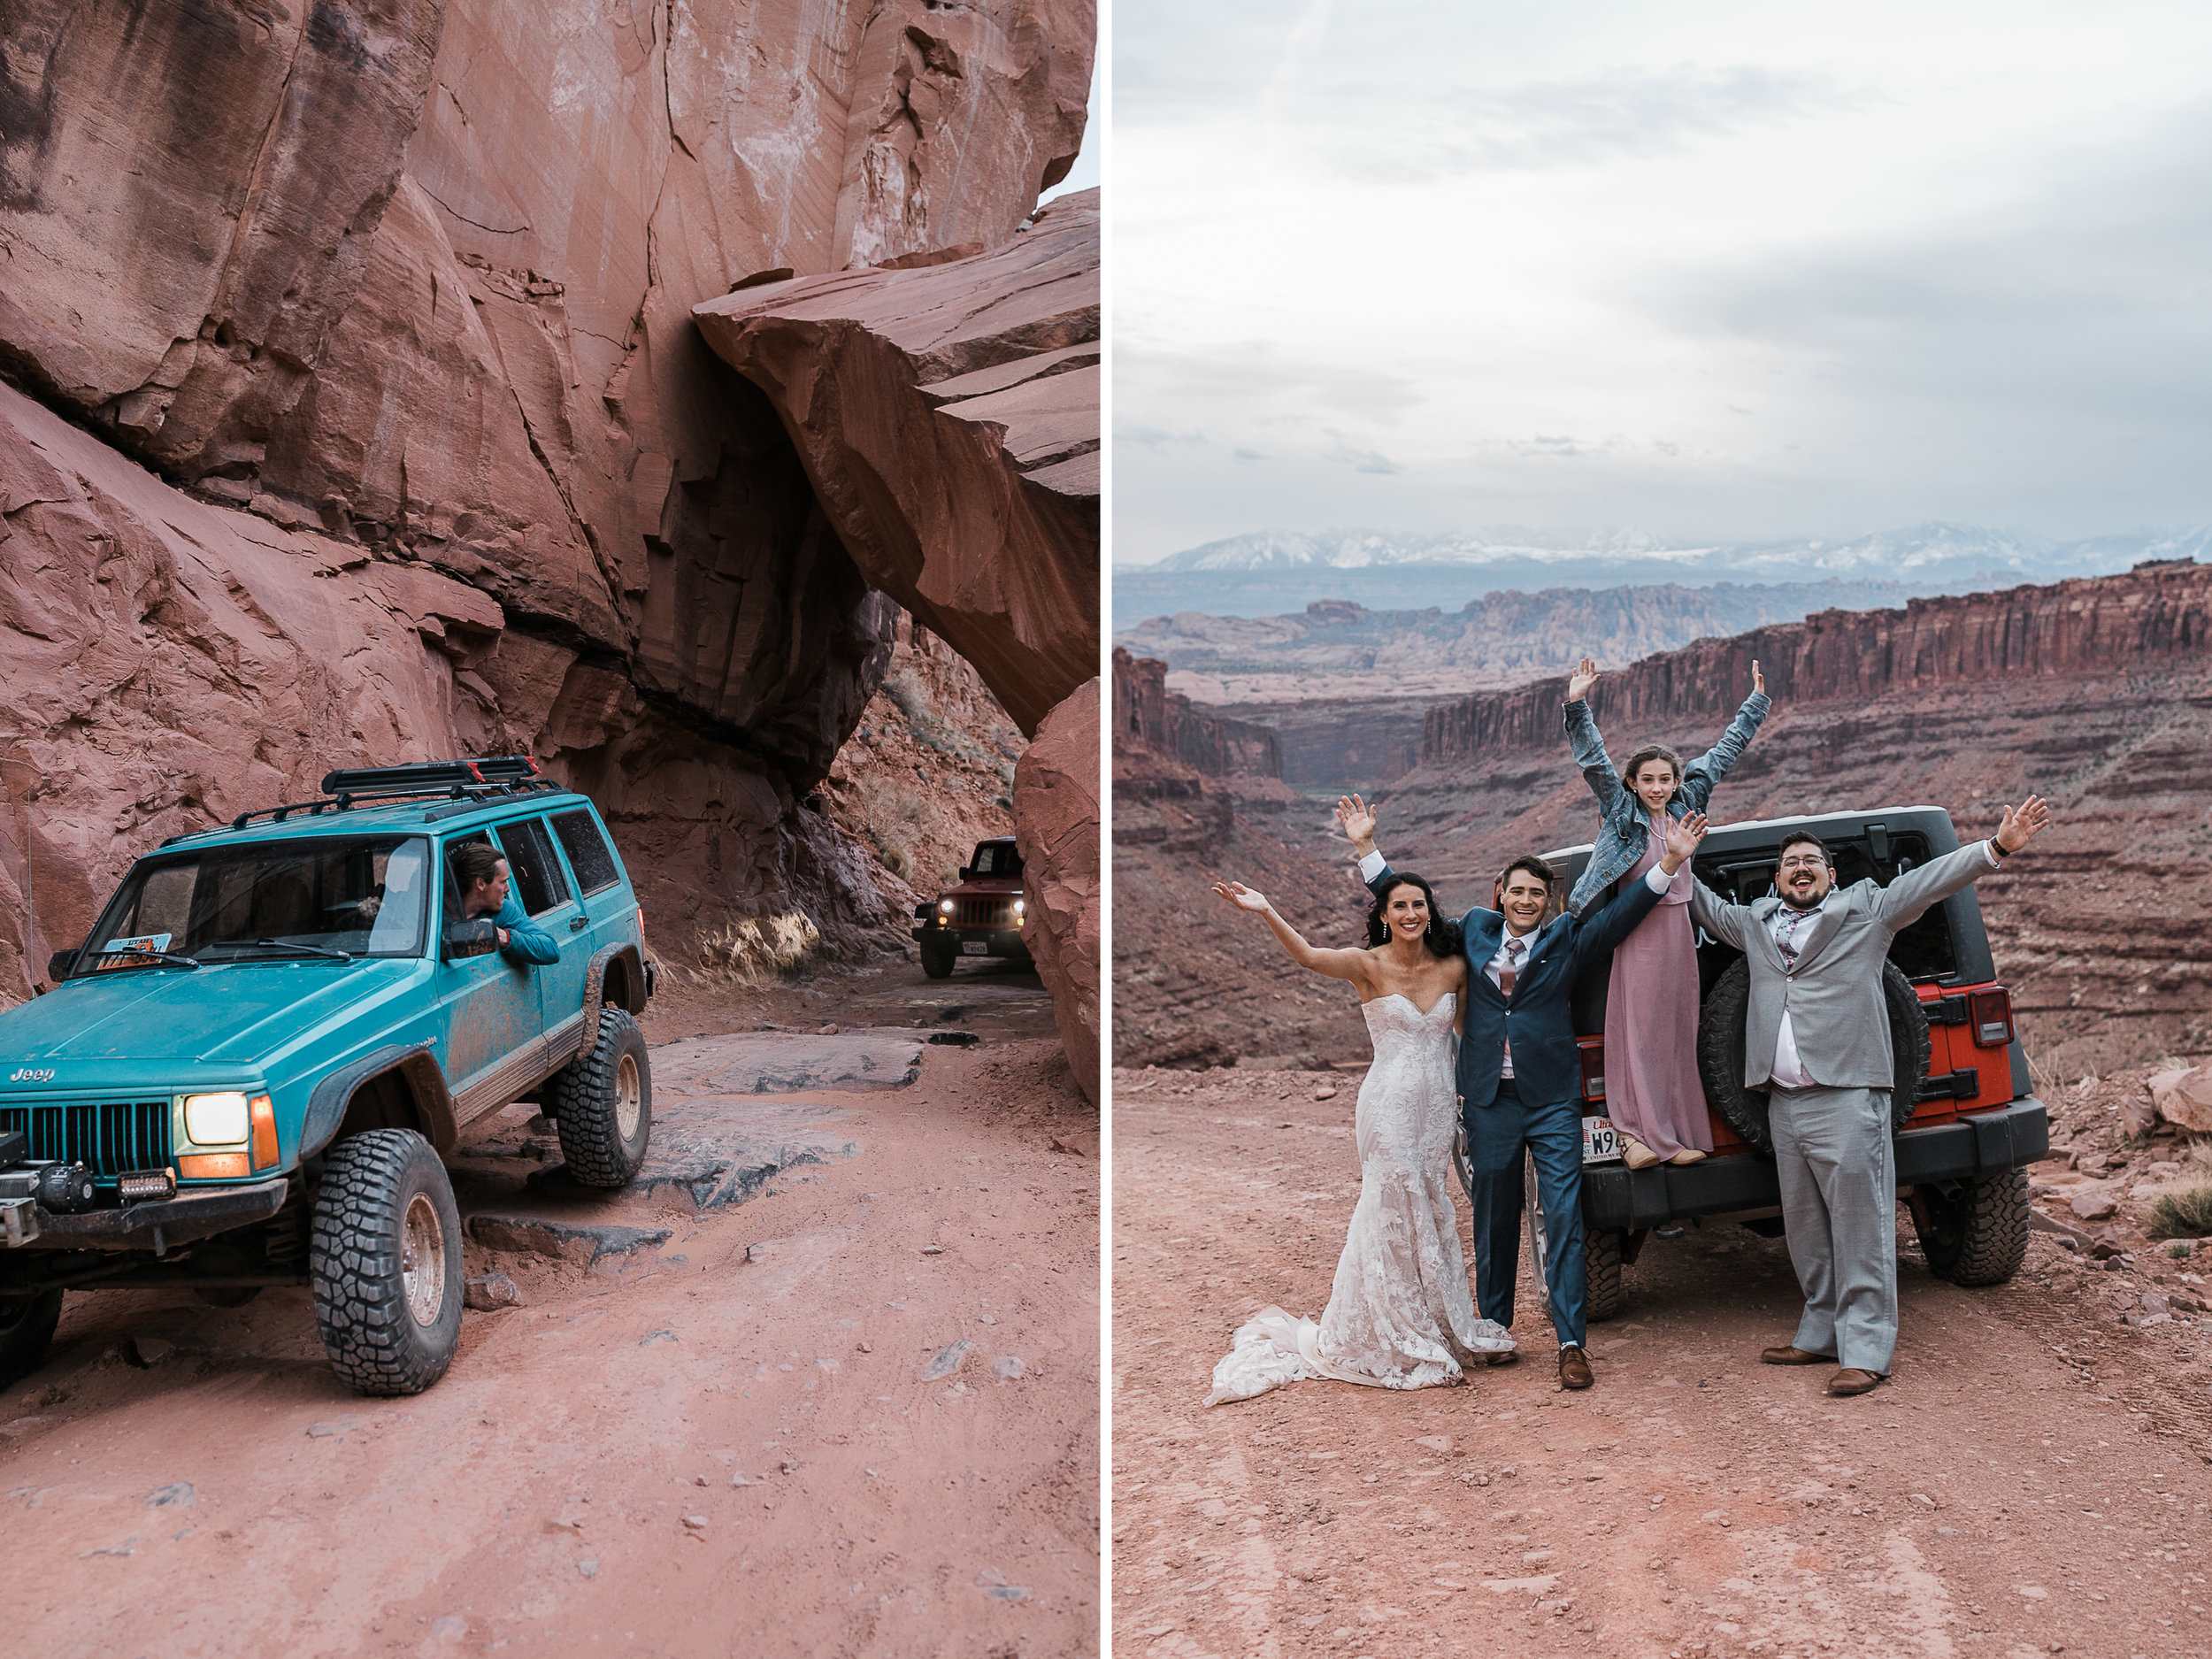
x: 247, y: 1075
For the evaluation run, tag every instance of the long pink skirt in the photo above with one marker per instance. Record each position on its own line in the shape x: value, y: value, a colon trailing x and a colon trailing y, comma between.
x: 1651, y: 1083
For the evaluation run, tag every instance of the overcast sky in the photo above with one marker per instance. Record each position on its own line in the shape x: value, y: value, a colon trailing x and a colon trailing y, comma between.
x: 1718, y: 270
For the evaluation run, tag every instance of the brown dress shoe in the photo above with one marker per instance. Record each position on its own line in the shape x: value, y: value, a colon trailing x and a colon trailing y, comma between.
x: 1848, y: 1382
x: 1574, y: 1368
x: 1793, y: 1356
x: 1502, y: 1356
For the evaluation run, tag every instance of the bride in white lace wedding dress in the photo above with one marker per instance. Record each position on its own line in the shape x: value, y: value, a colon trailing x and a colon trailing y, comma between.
x: 1401, y: 1314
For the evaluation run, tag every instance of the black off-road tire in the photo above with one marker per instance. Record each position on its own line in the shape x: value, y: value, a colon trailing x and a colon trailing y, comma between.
x: 1720, y: 1052
x: 26, y: 1325
x: 937, y: 961
x: 1979, y: 1235
x: 384, y: 1262
x: 1603, y: 1251
x: 601, y: 1104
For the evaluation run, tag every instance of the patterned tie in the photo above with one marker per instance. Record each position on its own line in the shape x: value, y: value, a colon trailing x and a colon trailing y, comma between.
x: 1511, y: 970
x: 1785, y: 942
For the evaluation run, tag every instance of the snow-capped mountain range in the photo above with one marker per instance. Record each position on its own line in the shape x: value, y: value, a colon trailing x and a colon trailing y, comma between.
x: 1270, y: 572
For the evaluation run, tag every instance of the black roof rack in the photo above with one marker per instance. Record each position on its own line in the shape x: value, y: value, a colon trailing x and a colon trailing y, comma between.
x: 466, y: 782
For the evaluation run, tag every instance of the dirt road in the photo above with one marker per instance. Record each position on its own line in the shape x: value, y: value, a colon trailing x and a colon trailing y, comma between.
x: 2032, y: 1479
x: 851, y: 1407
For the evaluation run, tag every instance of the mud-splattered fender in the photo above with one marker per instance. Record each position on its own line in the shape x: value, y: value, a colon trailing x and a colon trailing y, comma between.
x: 631, y: 977
x: 416, y: 1062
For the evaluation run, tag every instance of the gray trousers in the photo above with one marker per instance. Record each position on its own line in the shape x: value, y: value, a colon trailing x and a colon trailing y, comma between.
x: 1839, y: 1171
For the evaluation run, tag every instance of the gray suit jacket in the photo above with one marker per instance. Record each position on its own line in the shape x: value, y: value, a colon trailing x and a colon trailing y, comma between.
x: 1838, y: 1017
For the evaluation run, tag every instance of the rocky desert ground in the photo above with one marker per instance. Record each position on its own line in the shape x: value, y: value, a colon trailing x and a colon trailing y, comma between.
x: 824, y: 1380
x: 2035, y: 1479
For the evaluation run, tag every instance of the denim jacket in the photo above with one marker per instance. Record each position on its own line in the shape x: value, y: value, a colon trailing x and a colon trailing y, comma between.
x: 1620, y: 839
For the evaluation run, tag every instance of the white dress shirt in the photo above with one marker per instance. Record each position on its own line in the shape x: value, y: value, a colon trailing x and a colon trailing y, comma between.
x: 1371, y: 866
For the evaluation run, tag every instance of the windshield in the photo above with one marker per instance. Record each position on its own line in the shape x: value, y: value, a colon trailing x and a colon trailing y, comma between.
x: 270, y: 902
x: 997, y: 858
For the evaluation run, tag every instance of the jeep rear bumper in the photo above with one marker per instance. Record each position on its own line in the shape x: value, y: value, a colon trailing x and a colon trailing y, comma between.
x: 1987, y: 1143
x: 159, y: 1224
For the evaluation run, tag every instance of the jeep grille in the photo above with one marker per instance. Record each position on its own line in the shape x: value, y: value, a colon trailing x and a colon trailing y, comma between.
x: 983, y: 913
x: 110, y: 1136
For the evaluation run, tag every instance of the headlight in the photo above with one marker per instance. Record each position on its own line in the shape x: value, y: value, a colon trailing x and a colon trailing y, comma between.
x: 1019, y: 907
x: 215, y: 1120
x: 944, y: 907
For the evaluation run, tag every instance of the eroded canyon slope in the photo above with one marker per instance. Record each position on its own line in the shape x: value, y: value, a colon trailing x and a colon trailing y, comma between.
x: 2096, y: 694
x: 389, y: 432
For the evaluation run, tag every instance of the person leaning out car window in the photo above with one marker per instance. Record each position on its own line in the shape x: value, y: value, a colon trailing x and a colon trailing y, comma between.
x: 481, y: 875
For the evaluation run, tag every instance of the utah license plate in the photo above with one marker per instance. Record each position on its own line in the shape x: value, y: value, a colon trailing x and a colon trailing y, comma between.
x: 1600, y: 1140
x: 974, y: 948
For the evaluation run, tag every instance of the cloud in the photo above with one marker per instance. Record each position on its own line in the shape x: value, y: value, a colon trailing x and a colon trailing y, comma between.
x: 1358, y: 459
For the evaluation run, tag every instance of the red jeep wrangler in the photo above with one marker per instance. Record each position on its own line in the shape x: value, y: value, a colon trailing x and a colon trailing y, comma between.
x: 982, y: 916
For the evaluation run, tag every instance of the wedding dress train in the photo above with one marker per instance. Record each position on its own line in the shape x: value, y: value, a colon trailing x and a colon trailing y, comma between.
x: 1401, y: 1314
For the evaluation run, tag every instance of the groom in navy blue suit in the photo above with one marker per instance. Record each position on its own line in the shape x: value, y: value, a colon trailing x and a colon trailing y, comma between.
x: 1520, y: 1073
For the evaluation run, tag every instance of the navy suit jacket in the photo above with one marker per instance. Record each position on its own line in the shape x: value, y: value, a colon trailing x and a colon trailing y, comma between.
x: 1537, y: 1017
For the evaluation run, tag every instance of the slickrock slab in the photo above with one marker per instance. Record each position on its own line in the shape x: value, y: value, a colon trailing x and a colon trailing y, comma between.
x: 787, y: 1062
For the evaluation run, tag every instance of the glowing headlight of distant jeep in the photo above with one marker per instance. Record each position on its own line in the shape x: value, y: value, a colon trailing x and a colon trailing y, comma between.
x: 1020, y: 908
x: 944, y: 907
x: 216, y: 1120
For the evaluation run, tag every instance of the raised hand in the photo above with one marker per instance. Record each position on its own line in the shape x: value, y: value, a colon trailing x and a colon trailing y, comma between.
x: 1578, y: 683
x: 2022, y: 823
x: 1356, y: 819
x: 1684, y: 836
x: 1242, y: 896
x: 1758, y: 679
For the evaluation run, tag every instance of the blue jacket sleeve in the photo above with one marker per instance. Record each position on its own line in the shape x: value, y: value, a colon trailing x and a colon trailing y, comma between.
x: 1589, y: 752
x: 1699, y: 776
x: 1597, y: 936
x: 525, y: 938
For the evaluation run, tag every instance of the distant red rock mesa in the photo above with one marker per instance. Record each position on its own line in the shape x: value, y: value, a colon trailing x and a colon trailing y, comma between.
x: 1170, y: 723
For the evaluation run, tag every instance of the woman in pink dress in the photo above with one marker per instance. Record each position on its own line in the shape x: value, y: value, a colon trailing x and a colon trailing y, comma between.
x: 1652, y: 1089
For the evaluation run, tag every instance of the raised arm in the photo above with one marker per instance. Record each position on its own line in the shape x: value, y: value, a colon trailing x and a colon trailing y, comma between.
x: 1335, y: 964
x: 1906, y: 900
x: 1699, y: 776
x: 1586, y: 745
x: 1356, y: 819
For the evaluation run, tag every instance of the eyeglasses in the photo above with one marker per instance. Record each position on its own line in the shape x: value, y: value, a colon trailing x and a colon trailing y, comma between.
x: 1808, y: 863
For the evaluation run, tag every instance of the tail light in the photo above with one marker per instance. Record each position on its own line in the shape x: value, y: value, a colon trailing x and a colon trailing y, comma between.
x: 265, y: 1132
x: 1989, y: 1015
x: 1594, y: 1071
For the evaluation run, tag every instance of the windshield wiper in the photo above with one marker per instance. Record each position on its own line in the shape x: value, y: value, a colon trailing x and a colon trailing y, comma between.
x: 113, y: 959
x: 312, y: 950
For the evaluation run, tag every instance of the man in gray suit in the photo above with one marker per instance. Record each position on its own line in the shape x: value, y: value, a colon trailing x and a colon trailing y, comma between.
x: 1816, y: 1038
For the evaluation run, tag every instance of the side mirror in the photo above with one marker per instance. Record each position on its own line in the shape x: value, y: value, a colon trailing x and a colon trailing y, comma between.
x: 62, y: 963
x: 967, y: 873
x: 477, y: 937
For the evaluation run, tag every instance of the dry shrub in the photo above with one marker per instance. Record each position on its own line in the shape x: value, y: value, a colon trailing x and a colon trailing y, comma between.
x: 2183, y: 1213
x: 759, y: 948
x: 897, y: 860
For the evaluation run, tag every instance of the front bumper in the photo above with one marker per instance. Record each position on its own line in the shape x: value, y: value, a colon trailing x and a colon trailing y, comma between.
x: 999, y: 941
x: 158, y: 1225
x: 1987, y: 1143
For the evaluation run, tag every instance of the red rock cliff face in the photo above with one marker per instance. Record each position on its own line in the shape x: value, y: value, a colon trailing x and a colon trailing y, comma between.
x: 1167, y: 721
x: 2097, y: 694
x: 2154, y: 617
x: 400, y: 294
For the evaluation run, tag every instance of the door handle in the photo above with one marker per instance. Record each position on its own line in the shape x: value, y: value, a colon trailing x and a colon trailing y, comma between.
x: 577, y: 923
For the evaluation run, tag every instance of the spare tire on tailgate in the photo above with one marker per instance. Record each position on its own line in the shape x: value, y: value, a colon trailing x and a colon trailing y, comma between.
x: 1720, y: 1051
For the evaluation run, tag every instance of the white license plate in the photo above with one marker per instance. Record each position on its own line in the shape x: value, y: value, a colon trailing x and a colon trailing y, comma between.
x: 1600, y: 1140
x: 974, y: 948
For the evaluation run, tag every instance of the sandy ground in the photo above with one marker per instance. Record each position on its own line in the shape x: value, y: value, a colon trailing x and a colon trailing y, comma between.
x: 722, y: 1446
x: 2033, y: 1478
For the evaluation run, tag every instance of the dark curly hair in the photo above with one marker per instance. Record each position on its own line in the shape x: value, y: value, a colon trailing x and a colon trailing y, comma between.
x: 1443, y: 937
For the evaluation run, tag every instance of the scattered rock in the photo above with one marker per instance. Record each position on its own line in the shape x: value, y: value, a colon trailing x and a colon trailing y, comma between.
x: 947, y: 1360
x: 696, y: 1523
x: 993, y: 1583
x: 933, y: 1249
x: 651, y: 1337
x: 485, y: 1292
x: 1008, y: 1368
x: 589, y: 1569
x: 2184, y: 1097
x: 335, y: 1425
x: 176, y: 1495
x: 2098, y: 1206
x: 1327, y: 1092
x: 146, y: 1352
x: 564, y: 1240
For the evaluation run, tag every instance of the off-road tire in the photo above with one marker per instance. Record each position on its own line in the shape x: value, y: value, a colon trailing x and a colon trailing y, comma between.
x: 1979, y: 1235
x: 1720, y: 1052
x: 601, y: 1104
x: 384, y: 1262
x: 1602, y: 1252
x: 26, y: 1325
x: 937, y: 962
